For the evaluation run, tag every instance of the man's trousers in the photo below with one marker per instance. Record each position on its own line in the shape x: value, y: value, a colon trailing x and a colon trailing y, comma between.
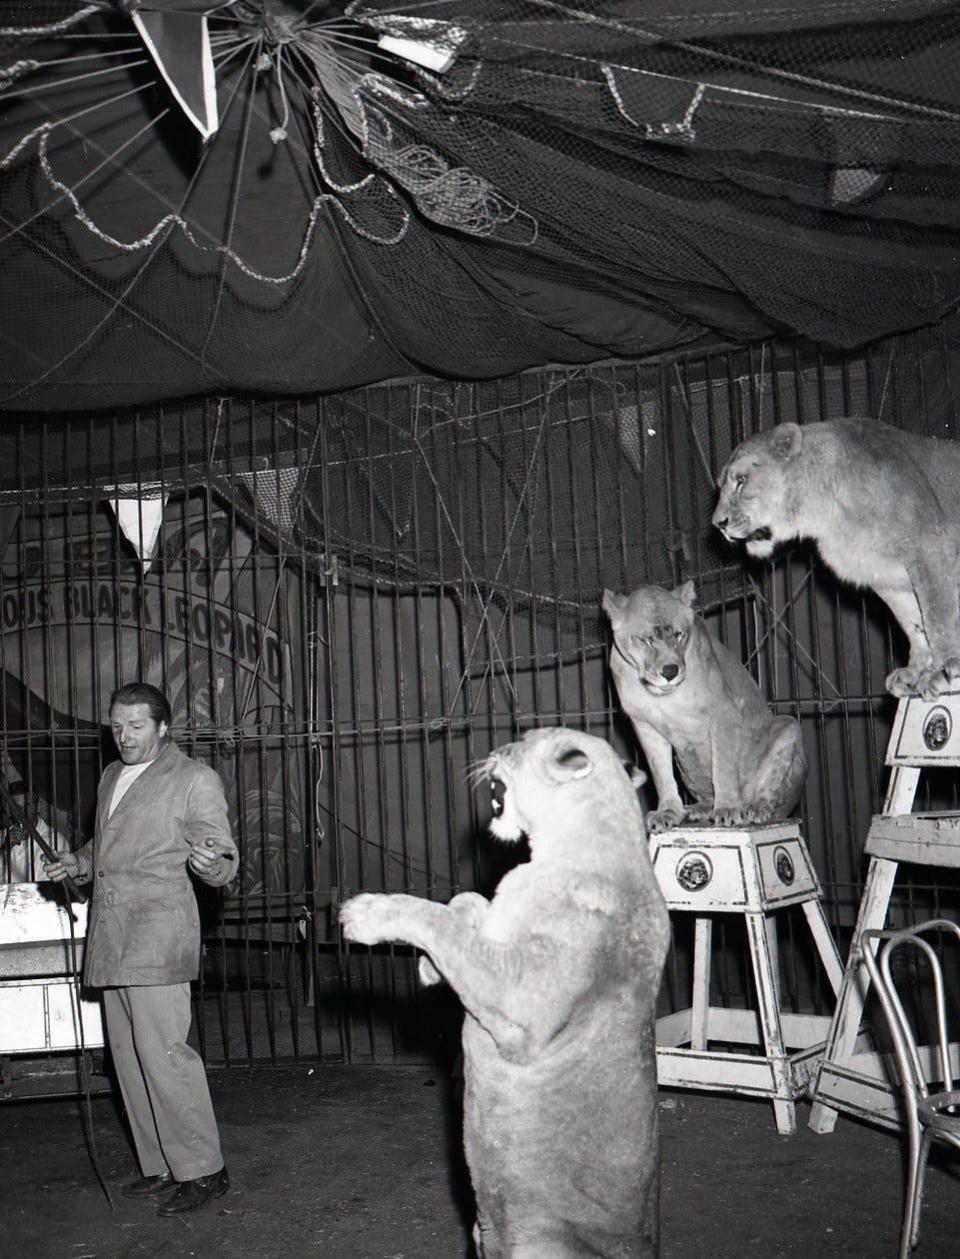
x: 162, y: 1080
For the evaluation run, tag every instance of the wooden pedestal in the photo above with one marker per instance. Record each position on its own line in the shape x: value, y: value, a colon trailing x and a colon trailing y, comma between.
x: 852, y: 1076
x: 753, y: 871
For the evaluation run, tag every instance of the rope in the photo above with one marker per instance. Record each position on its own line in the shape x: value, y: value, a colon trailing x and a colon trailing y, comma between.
x: 86, y: 1110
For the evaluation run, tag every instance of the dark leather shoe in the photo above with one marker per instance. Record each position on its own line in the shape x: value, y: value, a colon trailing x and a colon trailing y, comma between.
x: 191, y: 1195
x: 148, y: 1186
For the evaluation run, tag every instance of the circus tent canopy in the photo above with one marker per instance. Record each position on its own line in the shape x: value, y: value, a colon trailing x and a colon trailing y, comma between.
x: 577, y: 183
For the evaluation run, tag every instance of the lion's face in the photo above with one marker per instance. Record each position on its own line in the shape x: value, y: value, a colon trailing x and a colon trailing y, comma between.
x: 548, y: 779
x: 755, y: 491
x: 651, y: 629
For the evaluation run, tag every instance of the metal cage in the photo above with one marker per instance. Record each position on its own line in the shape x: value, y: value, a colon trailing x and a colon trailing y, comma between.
x: 350, y: 600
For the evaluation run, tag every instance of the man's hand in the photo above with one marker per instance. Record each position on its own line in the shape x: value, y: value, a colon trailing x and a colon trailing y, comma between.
x: 66, y: 865
x: 205, y: 858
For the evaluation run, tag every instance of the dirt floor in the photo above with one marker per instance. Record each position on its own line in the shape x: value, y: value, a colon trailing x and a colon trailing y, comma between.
x: 338, y: 1162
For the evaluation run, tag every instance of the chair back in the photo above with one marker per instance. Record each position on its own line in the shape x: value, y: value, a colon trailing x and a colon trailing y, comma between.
x: 878, y: 949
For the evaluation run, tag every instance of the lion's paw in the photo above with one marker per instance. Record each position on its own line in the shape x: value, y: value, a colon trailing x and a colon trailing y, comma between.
x: 904, y: 682
x: 730, y: 816
x: 428, y: 973
x: 932, y: 682
x: 700, y: 814
x: 364, y: 919
x: 664, y: 819
x: 759, y: 812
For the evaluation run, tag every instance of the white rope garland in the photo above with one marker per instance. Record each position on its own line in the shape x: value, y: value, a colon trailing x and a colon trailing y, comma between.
x: 54, y: 28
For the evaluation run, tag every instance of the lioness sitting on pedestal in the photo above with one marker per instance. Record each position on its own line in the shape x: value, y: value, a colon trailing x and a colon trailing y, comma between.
x: 883, y: 507
x: 689, y: 698
x: 559, y: 975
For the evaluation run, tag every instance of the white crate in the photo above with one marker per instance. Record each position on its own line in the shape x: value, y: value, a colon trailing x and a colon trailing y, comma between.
x: 38, y: 992
x: 38, y: 1015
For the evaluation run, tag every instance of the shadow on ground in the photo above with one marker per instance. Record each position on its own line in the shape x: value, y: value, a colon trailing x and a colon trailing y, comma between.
x: 338, y: 1162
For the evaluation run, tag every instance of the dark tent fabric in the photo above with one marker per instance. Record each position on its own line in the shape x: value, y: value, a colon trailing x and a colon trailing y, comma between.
x: 581, y: 182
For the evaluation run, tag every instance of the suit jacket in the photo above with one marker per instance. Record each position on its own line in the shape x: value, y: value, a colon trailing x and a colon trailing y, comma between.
x: 144, y: 924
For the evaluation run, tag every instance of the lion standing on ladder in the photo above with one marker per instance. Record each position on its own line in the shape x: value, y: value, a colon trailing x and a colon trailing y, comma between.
x: 883, y: 507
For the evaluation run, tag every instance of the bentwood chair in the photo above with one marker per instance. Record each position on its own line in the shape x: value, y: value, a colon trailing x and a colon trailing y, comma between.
x: 928, y: 1116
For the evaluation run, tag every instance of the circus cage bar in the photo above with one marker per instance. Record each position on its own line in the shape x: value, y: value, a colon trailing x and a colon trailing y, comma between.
x: 352, y: 599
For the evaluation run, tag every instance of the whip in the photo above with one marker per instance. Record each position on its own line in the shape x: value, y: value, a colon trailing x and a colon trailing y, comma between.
x: 71, y: 892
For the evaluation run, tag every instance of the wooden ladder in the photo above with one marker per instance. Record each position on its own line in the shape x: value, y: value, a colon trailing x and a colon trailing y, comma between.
x: 853, y: 1077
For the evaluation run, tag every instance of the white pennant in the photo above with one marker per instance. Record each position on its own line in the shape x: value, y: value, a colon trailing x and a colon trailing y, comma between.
x: 140, y: 520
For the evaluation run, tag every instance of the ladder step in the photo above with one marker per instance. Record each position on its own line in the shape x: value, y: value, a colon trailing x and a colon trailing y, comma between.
x: 931, y: 839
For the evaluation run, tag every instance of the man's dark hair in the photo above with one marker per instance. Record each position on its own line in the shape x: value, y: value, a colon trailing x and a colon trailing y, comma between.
x: 143, y: 693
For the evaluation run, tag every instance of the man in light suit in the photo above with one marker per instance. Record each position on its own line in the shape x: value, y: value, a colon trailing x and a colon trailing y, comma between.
x: 159, y: 813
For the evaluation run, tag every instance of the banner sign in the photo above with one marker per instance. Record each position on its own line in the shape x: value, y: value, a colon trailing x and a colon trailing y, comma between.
x: 80, y: 617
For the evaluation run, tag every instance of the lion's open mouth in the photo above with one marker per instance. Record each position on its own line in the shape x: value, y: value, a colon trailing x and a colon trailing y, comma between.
x: 762, y: 534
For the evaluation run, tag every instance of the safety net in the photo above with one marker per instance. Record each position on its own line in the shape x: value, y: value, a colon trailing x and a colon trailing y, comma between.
x: 288, y: 196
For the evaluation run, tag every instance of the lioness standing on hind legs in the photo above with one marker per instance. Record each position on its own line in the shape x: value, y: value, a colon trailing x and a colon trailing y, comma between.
x: 559, y: 975
x: 689, y: 698
x: 883, y: 507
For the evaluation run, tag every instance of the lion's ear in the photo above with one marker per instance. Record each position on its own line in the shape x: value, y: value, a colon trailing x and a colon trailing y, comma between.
x: 614, y: 605
x: 568, y: 763
x: 687, y: 593
x: 787, y: 440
